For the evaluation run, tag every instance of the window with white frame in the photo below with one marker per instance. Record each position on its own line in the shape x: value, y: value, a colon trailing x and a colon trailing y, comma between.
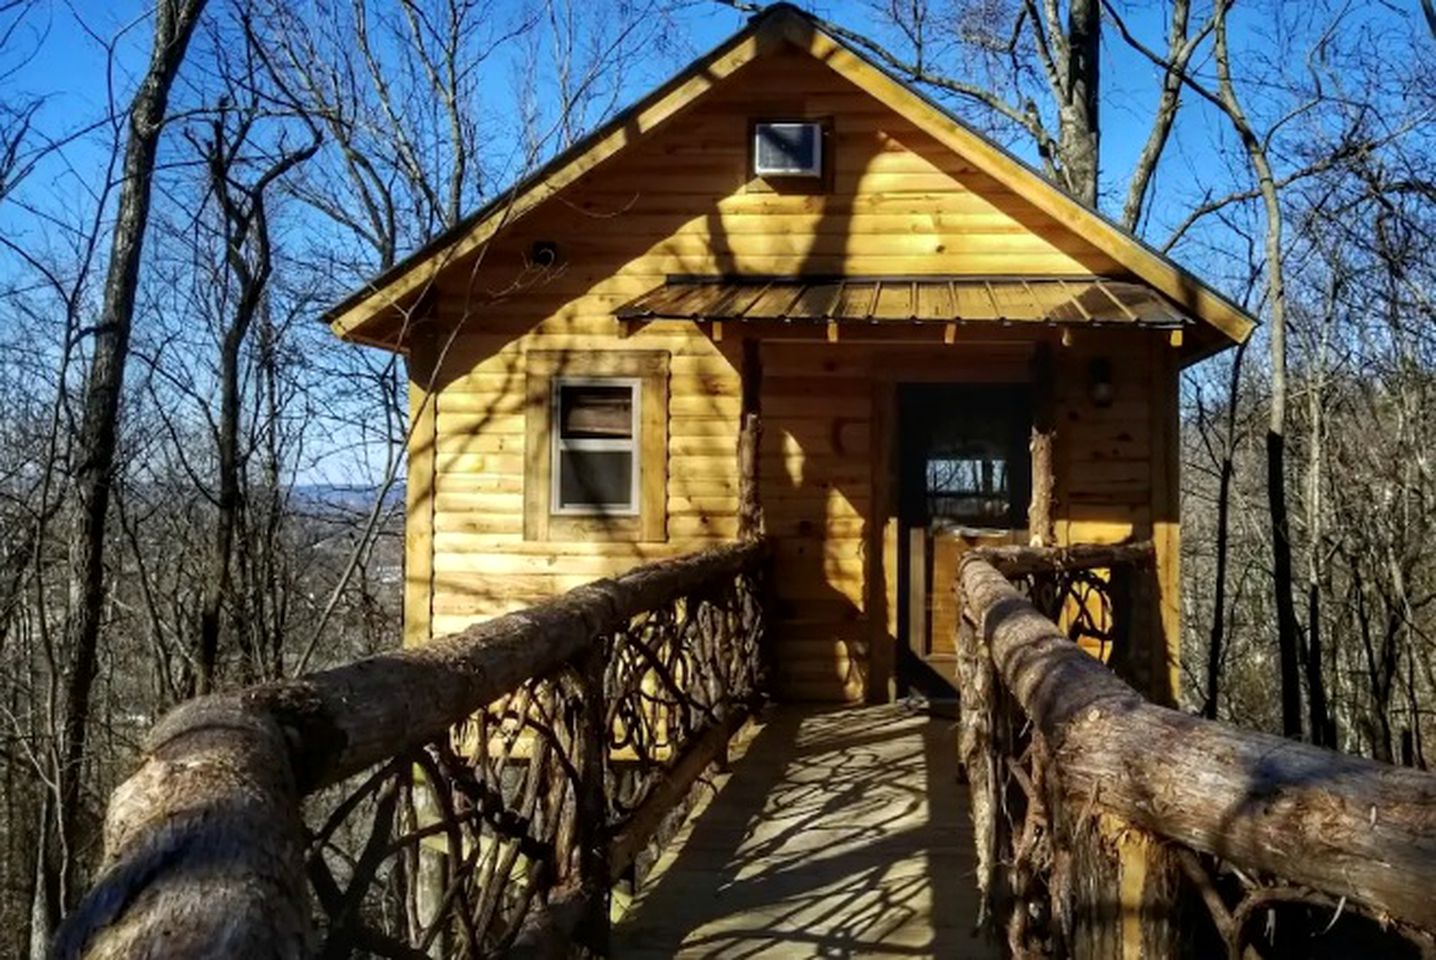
x: 788, y: 149
x: 595, y: 456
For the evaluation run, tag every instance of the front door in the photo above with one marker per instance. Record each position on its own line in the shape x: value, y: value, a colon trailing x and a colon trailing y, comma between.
x: 964, y: 480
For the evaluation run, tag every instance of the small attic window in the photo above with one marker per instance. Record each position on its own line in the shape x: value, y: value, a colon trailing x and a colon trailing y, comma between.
x: 788, y: 149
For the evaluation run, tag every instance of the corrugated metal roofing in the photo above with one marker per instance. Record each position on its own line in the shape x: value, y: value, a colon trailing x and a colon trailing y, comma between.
x: 1082, y: 300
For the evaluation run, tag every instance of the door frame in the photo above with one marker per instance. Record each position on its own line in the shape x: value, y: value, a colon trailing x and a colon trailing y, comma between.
x: 889, y: 546
x: 973, y: 360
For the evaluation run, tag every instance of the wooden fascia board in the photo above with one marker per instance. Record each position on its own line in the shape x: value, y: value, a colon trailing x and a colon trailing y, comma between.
x: 743, y: 48
x: 1193, y: 296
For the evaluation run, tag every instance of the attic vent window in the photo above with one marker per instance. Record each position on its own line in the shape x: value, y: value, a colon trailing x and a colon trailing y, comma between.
x: 789, y: 149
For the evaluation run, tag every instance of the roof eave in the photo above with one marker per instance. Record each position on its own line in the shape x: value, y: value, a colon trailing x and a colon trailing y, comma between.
x: 390, y: 287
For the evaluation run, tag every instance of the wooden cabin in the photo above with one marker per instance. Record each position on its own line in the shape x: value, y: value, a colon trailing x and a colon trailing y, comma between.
x: 924, y: 342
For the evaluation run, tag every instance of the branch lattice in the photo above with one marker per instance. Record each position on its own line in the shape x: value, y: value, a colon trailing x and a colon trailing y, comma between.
x: 522, y: 816
x: 1050, y: 863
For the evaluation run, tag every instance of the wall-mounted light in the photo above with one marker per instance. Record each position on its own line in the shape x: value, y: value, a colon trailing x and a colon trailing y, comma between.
x: 1099, y: 382
x: 544, y: 253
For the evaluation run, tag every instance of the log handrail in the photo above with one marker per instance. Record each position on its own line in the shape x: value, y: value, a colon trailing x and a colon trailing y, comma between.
x: 1360, y: 834
x: 206, y: 844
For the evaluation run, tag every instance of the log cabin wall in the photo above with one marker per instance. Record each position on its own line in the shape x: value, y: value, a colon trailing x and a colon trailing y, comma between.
x: 1116, y: 478
x: 680, y: 201
x: 828, y: 486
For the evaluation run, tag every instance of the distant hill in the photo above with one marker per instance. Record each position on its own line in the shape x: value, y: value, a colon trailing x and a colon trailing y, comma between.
x: 320, y: 498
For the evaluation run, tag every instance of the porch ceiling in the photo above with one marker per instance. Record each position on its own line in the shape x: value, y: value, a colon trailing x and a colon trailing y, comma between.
x: 1057, y: 300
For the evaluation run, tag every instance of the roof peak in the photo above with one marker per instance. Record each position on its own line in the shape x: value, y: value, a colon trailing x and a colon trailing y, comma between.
x: 780, y: 25
x: 783, y: 7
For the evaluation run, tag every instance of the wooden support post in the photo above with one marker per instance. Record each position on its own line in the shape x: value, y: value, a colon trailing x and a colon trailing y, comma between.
x: 592, y: 805
x: 1039, y: 513
x: 1124, y: 886
x: 419, y: 492
x: 978, y: 750
x: 750, y: 507
x: 432, y: 864
x: 1163, y: 648
x: 1149, y: 891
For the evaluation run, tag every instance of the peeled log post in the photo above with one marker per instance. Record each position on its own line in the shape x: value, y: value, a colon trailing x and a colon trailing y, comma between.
x: 1344, y: 825
x: 204, y: 847
x: 1040, y: 446
x: 750, y: 509
x: 204, y: 843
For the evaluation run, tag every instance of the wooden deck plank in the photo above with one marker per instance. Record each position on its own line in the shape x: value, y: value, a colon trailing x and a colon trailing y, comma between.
x: 841, y: 832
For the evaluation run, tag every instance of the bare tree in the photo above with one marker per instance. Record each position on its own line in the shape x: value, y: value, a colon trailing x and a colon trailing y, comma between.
x: 248, y: 255
x: 95, y: 446
x: 1029, y: 53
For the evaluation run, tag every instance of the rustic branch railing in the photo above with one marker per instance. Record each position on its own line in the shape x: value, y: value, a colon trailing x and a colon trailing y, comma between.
x: 478, y: 794
x: 1108, y: 826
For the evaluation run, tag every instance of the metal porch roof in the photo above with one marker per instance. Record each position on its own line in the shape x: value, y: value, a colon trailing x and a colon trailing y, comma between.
x: 1057, y: 300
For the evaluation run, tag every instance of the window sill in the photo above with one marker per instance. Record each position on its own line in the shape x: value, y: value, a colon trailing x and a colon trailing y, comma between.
x: 597, y: 527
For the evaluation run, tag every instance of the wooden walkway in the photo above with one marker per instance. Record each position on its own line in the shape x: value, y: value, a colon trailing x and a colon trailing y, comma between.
x: 838, y: 833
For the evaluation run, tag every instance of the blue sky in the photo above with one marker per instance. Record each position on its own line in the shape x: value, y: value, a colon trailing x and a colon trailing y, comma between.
x: 68, y: 69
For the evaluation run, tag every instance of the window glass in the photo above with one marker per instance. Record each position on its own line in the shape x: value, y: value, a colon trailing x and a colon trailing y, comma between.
x: 595, y: 454
x: 787, y: 148
x: 595, y: 478
x: 968, y: 484
x: 595, y: 411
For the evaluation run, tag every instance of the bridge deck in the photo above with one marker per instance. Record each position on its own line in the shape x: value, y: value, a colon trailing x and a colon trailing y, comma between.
x: 838, y: 833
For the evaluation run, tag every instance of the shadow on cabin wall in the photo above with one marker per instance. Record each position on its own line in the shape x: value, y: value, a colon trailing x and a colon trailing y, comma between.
x: 606, y: 226
x: 820, y: 436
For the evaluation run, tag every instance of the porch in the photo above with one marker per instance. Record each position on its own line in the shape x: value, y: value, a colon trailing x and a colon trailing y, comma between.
x: 836, y: 832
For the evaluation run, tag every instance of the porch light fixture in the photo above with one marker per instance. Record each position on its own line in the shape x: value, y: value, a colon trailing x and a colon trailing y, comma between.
x: 1099, y: 382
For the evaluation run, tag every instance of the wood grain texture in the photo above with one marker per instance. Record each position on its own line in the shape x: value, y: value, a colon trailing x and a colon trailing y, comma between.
x: 839, y: 832
x: 1343, y: 825
x: 204, y: 844
x: 419, y: 495
x: 810, y: 74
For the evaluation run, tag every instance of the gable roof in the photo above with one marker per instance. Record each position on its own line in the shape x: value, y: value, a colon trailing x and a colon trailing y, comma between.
x: 776, y: 26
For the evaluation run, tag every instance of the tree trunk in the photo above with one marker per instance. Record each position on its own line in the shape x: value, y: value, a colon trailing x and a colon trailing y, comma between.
x: 1223, y: 543
x: 217, y: 578
x: 1288, y: 631
x: 99, y: 420
x: 246, y: 234
x: 1078, y: 128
